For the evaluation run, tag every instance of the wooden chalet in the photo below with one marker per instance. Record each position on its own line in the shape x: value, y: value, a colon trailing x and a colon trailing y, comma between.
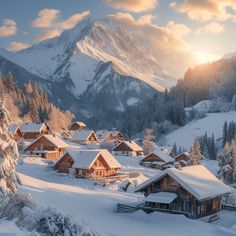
x: 104, y: 135
x: 117, y: 135
x: 34, y: 130
x: 157, y: 159
x: 88, y: 163
x: 47, y: 146
x: 128, y: 148
x: 182, y: 159
x: 15, y: 132
x: 193, y: 191
x: 84, y: 137
x: 78, y: 125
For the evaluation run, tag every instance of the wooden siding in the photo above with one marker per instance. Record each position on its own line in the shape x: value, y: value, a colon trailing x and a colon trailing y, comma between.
x: 43, y: 144
x: 185, y: 201
x: 182, y: 157
x: 76, y: 126
x: 99, y: 168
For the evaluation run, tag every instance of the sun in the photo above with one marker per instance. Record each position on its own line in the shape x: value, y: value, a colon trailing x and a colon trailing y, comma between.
x: 204, y: 57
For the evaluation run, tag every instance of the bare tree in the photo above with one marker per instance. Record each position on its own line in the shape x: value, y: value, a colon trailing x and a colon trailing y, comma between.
x: 148, y: 141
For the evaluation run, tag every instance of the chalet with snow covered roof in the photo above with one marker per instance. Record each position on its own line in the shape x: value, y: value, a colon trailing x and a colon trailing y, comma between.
x: 34, y: 130
x: 128, y: 148
x: 117, y: 135
x: 15, y: 132
x: 182, y: 159
x: 47, y: 146
x: 193, y: 191
x: 88, y: 163
x: 84, y: 137
x: 78, y: 125
x: 104, y: 135
x: 157, y: 159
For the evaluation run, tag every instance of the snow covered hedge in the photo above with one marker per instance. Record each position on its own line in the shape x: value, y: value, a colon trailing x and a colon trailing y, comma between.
x: 45, y: 221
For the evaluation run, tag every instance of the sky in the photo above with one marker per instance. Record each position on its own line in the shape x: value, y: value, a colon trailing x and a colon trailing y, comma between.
x: 205, y: 27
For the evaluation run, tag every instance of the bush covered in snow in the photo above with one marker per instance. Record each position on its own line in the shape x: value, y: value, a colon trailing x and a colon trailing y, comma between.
x: 46, y: 221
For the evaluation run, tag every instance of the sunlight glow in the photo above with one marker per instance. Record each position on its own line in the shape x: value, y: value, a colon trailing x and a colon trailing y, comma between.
x: 204, y: 57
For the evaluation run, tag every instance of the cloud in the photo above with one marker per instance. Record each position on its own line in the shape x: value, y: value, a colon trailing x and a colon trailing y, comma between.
x: 212, y: 28
x: 155, y: 36
x: 73, y: 20
x: 206, y: 10
x: 133, y: 5
x: 17, y: 46
x: 127, y: 18
x: 48, y: 20
x: 47, y: 34
x: 8, y: 28
x: 180, y: 30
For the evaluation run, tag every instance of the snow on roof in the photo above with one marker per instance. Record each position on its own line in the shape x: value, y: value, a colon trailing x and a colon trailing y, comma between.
x: 132, y: 145
x: 103, y: 134
x: 33, y: 127
x: 115, y: 132
x: 161, y: 197
x: 86, y: 158
x: 162, y: 155
x: 82, y: 135
x: 183, y: 153
x: 197, y: 180
x: 80, y: 123
x: 56, y: 141
x: 13, y: 128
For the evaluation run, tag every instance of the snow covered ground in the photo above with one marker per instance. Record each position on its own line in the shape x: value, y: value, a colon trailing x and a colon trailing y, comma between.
x: 213, y: 123
x: 89, y: 202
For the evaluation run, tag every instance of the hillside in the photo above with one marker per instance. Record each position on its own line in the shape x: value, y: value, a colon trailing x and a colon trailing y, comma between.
x: 212, y: 123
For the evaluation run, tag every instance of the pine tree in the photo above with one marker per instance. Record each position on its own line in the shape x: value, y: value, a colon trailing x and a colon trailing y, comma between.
x: 8, y: 155
x: 195, y: 153
x: 148, y: 141
x: 174, y: 150
x: 225, y: 162
x: 9, y: 82
x: 225, y: 133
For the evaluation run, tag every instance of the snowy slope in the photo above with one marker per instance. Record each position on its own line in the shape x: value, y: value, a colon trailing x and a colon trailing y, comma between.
x: 85, y: 201
x: 79, y: 51
x: 213, y: 123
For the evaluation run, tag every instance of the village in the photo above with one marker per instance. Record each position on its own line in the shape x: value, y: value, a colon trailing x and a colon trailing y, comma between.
x: 174, y: 185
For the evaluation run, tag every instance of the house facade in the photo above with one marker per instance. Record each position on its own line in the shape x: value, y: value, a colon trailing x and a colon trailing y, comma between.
x: 88, y: 163
x: 157, y: 159
x: 78, y: 125
x: 48, y: 147
x: 34, y: 130
x: 15, y: 132
x: 84, y: 137
x: 182, y: 159
x: 128, y: 148
x: 192, y: 191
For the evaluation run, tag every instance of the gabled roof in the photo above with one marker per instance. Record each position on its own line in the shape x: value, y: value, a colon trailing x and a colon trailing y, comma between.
x: 85, y: 158
x: 162, y: 155
x: 197, y: 180
x: 80, y: 123
x: 131, y: 145
x: 183, y: 153
x: 56, y: 141
x: 33, y: 127
x: 103, y: 134
x: 115, y: 132
x: 13, y: 128
x: 82, y: 135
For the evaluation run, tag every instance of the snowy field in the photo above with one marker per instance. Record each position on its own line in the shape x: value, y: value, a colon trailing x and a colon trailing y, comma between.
x: 213, y: 123
x: 91, y: 203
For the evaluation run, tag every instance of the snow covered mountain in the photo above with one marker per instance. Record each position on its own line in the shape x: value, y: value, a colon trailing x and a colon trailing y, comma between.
x: 99, y: 63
